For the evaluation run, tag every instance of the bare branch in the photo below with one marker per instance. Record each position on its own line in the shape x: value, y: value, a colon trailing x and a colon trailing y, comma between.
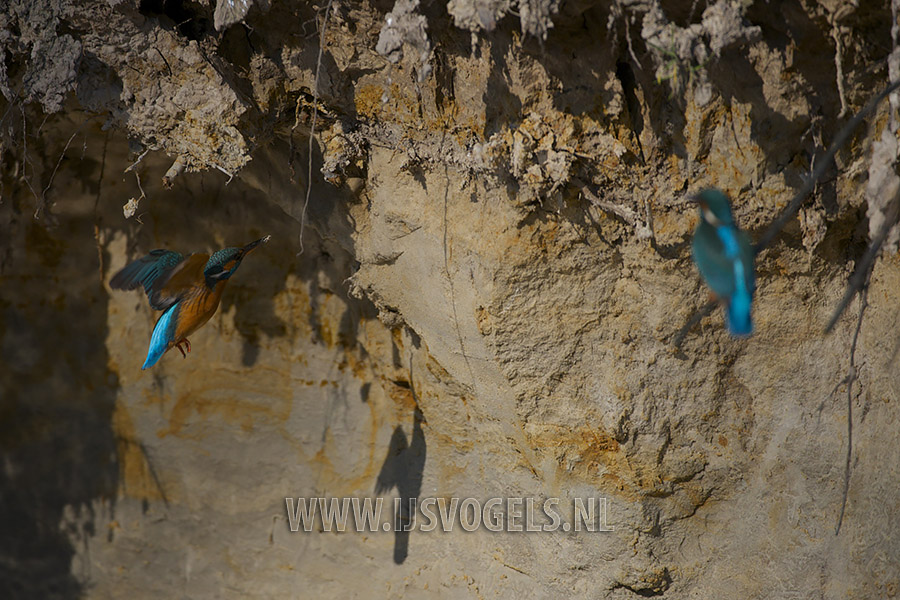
x: 59, y: 161
x: 224, y: 170
x: 25, y: 162
x: 837, y: 143
x: 132, y: 205
x: 139, y: 159
x: 861, y: 274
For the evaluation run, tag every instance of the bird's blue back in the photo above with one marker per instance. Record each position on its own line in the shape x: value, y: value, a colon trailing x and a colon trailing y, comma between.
x: 725, y: 258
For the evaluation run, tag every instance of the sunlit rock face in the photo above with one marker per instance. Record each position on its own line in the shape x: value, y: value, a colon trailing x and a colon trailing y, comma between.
x: 470, y: 291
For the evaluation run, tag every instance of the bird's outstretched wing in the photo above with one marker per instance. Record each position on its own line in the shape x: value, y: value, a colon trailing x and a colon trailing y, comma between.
x: 149, y: 271
x: 164, y: 274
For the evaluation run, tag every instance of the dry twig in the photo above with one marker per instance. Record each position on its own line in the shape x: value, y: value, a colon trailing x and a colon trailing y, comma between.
x: 312, y: 131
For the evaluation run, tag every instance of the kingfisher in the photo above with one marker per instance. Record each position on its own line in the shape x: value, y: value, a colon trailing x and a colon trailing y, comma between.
x: 724, y: 256
x: 186, y: 288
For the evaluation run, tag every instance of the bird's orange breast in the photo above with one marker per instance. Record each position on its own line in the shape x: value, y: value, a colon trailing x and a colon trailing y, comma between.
x: 196, y: 309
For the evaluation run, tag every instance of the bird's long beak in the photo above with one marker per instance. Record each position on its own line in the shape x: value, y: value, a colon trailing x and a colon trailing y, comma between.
x: 705, y: 213
x: 246, y: 249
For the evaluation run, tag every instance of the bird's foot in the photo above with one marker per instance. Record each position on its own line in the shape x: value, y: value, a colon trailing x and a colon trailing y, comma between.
x: 187, y: 344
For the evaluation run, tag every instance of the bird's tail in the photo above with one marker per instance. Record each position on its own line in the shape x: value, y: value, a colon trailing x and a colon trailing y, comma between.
x: 163, y: 335
x: 737, y: 315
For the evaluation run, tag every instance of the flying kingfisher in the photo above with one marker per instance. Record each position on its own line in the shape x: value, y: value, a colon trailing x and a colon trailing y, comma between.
x: 186, y: 288
x: 724, y: 256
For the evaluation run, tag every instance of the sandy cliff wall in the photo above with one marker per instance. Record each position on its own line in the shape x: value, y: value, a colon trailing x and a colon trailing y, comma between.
x: 452, y: 266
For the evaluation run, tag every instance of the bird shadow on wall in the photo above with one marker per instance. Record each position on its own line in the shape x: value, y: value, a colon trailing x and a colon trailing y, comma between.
x: 402, y: 469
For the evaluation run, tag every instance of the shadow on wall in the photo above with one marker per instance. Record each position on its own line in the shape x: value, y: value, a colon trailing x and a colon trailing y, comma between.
x: 57, y: 443
x: 58, y: 438
x: 403, y: 467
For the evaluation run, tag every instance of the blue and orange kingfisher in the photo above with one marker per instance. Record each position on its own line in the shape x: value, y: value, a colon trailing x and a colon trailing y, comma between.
x: 724, y: 256
x: 186, y: 288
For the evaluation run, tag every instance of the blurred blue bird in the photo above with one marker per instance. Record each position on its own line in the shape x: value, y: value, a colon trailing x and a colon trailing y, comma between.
x: 724, y: 256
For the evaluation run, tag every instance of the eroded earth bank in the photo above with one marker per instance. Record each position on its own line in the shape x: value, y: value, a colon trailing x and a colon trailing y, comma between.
x: 478, y: 299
